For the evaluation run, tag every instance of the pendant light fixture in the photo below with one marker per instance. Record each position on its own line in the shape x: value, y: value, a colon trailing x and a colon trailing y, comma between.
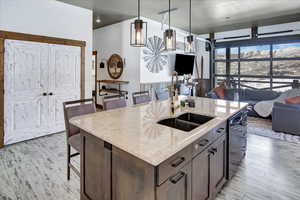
x: 138, y: 31
x: 170, y: 35
x: 189, y: 41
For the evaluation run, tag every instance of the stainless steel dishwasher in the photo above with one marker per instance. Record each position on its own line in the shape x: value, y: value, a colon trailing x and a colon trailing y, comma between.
x: 237, y: 142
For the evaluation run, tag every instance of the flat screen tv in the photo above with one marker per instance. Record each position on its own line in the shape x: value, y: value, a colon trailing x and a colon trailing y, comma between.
x: 184, y: 64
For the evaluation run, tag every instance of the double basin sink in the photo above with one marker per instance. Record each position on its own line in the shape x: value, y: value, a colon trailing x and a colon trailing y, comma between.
x: 185, y: 122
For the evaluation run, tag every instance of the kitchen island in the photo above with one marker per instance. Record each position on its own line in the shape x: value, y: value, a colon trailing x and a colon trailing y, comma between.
x: 127, y: 155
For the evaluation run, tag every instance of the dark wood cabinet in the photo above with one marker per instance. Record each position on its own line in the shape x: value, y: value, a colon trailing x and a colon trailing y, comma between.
x: 201, y: 179
x: 177, y: 187
x: 95, y: 168
x: 201, y: 176
x: 209, y: 171
x: 217, y: 165
x: 132, y: 178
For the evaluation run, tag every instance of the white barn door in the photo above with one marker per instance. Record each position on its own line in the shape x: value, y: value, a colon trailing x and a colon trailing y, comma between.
x: 36, y: 81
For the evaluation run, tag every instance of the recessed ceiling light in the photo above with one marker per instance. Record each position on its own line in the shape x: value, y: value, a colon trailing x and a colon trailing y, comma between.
x: 98, y: 20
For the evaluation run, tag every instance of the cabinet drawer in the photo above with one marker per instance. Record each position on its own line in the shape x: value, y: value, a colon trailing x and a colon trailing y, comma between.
x: 202, y: 143
x: 176, y: 187
x: 173, y: 164
x: 208, y: 138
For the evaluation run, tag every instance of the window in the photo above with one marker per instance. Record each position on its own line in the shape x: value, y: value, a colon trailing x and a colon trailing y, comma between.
x: 220, y: 68
x: 234, y: 68
x: 270, y: 66
x: 234, y: 53
x: 282, y: 84
x: 219, y: 80
x: 291, y: 50
x: 221, y: 54
x: 261, y: 68
x: 255, y: 83
x: 255, y: 52
x: 286, y: 68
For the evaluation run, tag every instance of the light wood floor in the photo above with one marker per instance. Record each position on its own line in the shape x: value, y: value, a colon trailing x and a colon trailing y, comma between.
x: 271, y: 171
x: 36, y: 170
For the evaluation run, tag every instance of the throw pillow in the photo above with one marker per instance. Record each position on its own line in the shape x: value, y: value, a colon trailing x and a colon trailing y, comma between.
x: 293, y: 100
x: 220, y: 91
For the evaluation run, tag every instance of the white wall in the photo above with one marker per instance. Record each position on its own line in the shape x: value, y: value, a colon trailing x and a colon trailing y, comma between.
x: 50, y: 18
x: 115, y: 39
x: 202, y: 52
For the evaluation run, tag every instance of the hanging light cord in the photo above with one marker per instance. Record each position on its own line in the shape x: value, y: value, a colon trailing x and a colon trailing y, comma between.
x: 190, y: 17
x: 169, y: 14
x: 139, y: 7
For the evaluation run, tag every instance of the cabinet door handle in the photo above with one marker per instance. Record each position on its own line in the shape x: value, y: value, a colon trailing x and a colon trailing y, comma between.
x: 211, y: 151
x: 214, y: 150
x: 220, y: 130
x: 177, y: 177
x: 204, y: 142
x: 50, y: 93
x: 44, y: 94
x: 177, y: 162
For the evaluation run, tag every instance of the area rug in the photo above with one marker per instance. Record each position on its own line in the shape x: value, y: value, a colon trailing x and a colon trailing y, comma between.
x: 263, y: 127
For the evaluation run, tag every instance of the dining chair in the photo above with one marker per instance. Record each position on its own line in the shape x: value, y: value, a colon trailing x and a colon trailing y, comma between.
x: 162, y: 94
x: 73, y: 109
x: 113, y: 102
x: 141, y: 97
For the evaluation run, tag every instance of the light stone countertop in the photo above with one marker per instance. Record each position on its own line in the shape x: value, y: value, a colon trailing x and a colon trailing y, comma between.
x: 134, y: 129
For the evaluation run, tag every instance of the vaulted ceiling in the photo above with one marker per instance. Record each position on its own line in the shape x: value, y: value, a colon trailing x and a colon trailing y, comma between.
x: 208, y: 15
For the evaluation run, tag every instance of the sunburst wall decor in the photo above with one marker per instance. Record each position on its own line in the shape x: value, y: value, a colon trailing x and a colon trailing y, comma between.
x: 153, y: 55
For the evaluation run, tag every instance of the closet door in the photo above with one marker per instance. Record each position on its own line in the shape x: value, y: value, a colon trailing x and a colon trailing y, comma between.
x: 26, y: 110
x: 64, y: 79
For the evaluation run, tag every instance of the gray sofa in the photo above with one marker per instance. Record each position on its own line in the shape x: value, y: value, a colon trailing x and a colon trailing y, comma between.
x: 286, y: 118
x: 248, y: 96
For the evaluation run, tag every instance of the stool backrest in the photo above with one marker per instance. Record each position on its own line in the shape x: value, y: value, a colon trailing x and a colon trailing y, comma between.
x: 162, y: 94
x: 77, y: 108
x: 113, y: 102
x: 141, y: 97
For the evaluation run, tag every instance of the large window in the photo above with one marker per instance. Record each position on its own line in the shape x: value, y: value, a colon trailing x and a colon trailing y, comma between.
x: 272, y: 66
